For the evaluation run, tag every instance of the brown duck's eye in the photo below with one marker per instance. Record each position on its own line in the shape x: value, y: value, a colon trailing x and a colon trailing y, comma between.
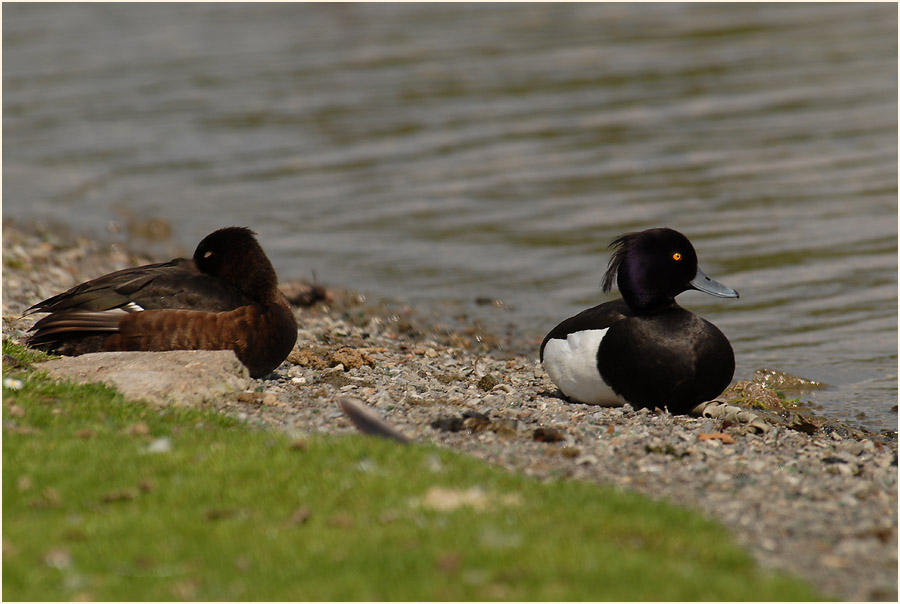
x: 676, y: 256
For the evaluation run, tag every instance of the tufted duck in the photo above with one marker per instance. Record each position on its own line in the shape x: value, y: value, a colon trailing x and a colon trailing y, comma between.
x: 225, y: 298
x: 644, y: 349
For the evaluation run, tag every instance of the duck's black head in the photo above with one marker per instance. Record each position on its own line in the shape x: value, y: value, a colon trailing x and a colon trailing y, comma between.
x: 654, y: 266
x: 234, y: 254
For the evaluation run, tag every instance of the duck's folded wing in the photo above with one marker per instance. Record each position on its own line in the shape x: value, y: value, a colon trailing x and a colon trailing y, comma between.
x: 177, y: 284
x: 109, y: 291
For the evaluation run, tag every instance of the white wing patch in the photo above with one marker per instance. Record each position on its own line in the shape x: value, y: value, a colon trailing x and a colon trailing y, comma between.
x: 572, y: 366
x: 131, y: 307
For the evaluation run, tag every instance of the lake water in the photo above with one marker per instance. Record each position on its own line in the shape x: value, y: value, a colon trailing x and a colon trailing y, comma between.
x: 438, y: 153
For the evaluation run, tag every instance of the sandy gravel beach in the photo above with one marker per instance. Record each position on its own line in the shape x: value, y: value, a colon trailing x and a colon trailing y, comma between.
x: 809, y: 496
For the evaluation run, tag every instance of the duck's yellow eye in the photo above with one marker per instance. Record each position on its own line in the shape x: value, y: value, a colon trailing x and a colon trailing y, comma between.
x: 676, y: 256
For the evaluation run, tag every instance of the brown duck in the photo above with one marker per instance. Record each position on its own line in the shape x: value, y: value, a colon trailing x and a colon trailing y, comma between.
x: 225, y: 298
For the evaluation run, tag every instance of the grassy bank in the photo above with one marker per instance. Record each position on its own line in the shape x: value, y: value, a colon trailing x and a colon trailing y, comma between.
x: 109, y: 499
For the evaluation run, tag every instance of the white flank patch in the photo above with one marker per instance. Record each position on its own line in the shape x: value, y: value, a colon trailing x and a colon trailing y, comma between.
x: 572, y: 366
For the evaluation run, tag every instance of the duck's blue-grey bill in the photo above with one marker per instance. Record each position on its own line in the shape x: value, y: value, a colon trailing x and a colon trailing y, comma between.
x: 712, y: 287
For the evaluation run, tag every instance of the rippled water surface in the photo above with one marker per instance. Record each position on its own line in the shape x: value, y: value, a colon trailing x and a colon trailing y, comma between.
x: 439, y: 153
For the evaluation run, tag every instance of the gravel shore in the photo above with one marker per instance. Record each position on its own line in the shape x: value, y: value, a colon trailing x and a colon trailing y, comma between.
x: 808, y: 496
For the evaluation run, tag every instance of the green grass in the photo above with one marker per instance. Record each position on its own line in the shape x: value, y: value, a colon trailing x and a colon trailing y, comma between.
x: 227, y: 512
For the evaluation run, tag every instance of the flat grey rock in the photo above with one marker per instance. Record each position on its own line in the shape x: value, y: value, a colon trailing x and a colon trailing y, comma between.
x: 181, y: 377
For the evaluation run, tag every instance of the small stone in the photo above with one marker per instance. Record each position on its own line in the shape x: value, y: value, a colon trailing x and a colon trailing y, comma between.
x: 247, y: 397
x: 834, y: 561
x: 570, y: 452
x: 448, y: 424
x: 548, y: 435
x: 768, y: 544
x: 487, y: 382
x: 160, y: 445
x: 476, y: 424
x: 507, y: 428
x: 351, y: 358
x: 313, y: 358
x: 58, y: 558
x: 448, y: 499
x: 492, y: 401
x: 724, y: 437
x: 757, y: 465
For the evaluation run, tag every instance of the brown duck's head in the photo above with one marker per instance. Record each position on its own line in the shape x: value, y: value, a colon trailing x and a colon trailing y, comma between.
x: 234, y: 255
